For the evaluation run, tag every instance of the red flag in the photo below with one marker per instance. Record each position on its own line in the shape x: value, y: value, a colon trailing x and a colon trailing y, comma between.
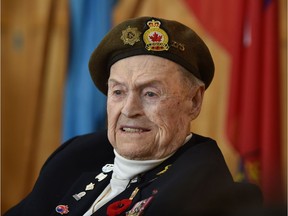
x: 249, y: 31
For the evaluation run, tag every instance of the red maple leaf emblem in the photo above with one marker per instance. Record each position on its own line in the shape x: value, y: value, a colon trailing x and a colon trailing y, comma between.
x: 156, y: 37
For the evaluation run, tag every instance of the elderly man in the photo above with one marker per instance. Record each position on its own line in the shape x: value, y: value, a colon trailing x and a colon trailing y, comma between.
x: 154, y: 73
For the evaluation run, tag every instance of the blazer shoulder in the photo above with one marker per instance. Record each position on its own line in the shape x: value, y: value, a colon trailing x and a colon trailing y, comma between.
x: 204, y: 155
x: 83, y: 146
x: 202, y: 139
x: 207, y: 145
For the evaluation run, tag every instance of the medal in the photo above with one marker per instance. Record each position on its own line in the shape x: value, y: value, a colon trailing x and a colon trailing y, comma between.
x: 139, y: 207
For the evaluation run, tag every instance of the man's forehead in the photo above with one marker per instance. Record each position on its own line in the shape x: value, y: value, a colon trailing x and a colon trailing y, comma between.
x: 147, y: 60
x: 144, y: 68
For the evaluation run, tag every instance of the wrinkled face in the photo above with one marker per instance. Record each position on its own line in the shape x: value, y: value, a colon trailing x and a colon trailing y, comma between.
x: 149, y: 108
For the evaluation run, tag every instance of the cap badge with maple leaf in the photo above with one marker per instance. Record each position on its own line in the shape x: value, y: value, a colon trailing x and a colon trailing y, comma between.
x: 155, y: 38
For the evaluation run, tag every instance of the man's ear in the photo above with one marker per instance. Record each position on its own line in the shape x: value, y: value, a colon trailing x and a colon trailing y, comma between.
x: 196, y: 100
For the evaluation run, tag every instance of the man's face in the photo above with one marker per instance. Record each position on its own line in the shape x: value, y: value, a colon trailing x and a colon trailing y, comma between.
x: 148, y: 106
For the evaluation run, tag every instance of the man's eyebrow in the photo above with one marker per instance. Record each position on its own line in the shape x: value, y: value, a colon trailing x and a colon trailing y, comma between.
x: 113, y: 81
x: 140, y: 83
x: 150, y: 83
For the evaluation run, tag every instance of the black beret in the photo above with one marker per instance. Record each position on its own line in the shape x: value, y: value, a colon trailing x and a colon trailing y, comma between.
x: 151, y: 36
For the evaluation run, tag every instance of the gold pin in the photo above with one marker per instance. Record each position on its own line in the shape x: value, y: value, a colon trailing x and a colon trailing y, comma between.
x: 130, y: 36
x: 165, y: 169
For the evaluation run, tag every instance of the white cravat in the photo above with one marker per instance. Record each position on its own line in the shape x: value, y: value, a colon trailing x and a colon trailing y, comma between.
x: 124, y: 170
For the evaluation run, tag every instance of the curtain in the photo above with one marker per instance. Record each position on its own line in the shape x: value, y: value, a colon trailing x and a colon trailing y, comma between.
x: 254, y: 114
x: 85, y: 106
x: 34, y: 62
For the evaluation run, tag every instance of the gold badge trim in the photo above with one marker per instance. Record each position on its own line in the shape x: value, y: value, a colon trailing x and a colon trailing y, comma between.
x: 130, y: 36
x: 155, y: 38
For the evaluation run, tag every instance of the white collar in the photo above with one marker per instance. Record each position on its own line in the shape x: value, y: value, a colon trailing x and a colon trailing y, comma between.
x: 127, y: 169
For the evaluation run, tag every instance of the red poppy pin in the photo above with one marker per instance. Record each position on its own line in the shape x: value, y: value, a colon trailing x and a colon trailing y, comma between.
x: 119, y: 207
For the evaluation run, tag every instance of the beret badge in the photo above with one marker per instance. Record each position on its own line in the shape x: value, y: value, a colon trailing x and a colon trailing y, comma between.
x: 130, y: 36
x: 155, y: 38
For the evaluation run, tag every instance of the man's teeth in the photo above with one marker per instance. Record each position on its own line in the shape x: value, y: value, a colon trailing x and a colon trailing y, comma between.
x: 132, y: 130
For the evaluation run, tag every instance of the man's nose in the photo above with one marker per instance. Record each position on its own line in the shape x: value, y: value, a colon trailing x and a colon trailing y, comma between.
x: 132, y: 106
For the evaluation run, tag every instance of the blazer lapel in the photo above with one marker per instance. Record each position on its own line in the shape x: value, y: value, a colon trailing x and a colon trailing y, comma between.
x: 82, y: 194
x: 145, y: 180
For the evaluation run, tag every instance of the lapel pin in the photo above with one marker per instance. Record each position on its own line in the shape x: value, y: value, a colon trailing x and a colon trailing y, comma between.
x: 90, y: 186
x: 79, y: 195
x: 101, y: 176
x: 163, y: 171
x: 62, y: 209
x: 135, y: 179
x: 107, y: 168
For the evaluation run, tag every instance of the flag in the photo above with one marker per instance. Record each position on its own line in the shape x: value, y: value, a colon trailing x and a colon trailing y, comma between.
x: 85, y: 106
x: 249, y: 32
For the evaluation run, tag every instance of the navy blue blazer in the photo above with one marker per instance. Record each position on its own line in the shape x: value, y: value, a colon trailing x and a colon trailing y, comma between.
x: 194, y: 181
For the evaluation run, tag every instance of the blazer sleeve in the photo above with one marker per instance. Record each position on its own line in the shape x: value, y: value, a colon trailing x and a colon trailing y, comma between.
x: 78, y: 155
x: 21, y: 208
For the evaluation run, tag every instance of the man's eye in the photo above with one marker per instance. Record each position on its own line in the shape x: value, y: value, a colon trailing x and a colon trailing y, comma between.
x: 150, y: 94
x: 117, y: 92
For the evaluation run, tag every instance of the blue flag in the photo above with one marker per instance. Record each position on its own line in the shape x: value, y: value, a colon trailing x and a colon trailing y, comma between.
x: 84, y: 105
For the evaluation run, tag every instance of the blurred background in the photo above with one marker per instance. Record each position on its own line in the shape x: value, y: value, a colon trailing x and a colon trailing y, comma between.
x: 47, y: 96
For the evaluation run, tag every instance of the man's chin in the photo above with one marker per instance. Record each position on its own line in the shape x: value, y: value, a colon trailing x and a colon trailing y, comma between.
x: 133, y: 155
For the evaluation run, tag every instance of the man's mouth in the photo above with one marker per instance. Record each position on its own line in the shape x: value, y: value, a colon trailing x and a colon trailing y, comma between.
x: 133, y: 130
